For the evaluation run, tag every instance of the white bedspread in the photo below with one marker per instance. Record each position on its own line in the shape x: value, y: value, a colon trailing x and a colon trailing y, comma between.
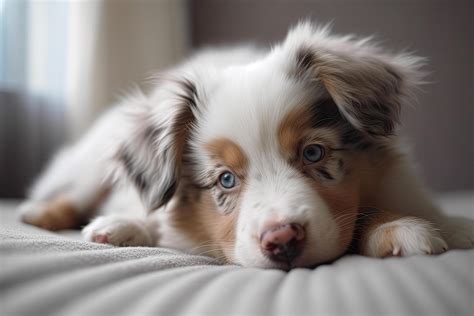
x: 43, y: 273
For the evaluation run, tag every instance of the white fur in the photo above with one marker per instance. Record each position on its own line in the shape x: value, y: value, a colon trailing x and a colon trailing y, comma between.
x: 120, y: 231
x: 411, y: 236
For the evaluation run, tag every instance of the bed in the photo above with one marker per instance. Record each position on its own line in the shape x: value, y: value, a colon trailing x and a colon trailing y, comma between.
x: 45, y: 273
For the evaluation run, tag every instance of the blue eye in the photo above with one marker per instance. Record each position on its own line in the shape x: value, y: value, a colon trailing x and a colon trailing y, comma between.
x: 313, y: 153
x: 227, y: 180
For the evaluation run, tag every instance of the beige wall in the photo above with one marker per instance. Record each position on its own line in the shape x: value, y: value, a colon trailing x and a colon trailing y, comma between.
x: 440, y: 127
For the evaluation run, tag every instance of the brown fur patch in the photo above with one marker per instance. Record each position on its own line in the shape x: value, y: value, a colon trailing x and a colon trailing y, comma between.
x: 229, y: 153
x: 292, y: 129
x: 343, y: 201
x: 372, y: 169
x: 201, y: 222
x: 58, y: 214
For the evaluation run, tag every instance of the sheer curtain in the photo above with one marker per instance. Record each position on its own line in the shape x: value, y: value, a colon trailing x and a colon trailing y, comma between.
x: 63, y: 62
x: 116, y: 44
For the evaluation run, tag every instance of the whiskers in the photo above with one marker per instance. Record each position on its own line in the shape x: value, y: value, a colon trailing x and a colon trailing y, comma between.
x: 354, y: 218
x: 212, y: 249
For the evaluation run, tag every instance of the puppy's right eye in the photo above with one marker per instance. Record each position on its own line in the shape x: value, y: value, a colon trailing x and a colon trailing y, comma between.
x: 227, y: 180
x: 313, y: 153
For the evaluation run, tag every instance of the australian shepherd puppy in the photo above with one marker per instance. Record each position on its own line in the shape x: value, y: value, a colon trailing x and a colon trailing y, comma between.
x: 277, y: 159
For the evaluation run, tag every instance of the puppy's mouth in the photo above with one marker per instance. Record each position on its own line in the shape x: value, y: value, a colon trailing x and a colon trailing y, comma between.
x: 289, y: 265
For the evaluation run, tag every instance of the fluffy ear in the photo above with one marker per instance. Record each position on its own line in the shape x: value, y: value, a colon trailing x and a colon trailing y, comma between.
x: 367, y: 85
x: 152, y: 153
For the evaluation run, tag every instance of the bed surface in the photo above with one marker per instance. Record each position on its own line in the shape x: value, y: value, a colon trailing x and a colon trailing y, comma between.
x: 44, y: 273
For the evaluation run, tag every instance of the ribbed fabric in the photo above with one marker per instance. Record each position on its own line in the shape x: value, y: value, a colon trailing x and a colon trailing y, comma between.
x: 43, y: 273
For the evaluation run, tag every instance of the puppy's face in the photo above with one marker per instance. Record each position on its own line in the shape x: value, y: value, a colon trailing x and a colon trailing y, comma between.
x: 277, y: 156
x: 276, y: 146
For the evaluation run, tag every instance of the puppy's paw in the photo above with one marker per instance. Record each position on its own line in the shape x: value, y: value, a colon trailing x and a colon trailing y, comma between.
x: 117, y: 231
x: 404, y: 237
x: 55, y: 214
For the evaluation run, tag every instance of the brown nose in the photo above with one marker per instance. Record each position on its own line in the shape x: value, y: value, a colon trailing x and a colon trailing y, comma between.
x: 282, y: 242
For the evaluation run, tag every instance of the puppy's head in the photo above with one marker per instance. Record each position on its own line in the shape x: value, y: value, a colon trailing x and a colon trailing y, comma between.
x: 276, y: 146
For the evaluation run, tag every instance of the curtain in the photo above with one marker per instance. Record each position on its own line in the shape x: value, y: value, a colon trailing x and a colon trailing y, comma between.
x: 63, y: 62
x: 116, y: 44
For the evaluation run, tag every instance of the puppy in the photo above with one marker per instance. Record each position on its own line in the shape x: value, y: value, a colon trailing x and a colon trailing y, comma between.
x: 276, y: 159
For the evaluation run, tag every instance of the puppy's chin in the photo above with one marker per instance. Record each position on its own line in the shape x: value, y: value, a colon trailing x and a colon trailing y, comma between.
x: 305, y: 260
x: 286, y: 266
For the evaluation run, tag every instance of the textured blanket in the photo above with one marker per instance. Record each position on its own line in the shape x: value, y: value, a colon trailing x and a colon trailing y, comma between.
x: 44, y: 273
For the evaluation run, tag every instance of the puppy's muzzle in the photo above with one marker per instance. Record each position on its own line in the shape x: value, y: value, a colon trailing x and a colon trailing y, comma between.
x: 282, y: 243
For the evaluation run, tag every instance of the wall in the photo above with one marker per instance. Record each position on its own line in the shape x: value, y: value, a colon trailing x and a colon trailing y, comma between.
x: 440, y: 127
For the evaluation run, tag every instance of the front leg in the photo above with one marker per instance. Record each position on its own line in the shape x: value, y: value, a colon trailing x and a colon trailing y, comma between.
x: 385, y: 234
x: 120, y: 230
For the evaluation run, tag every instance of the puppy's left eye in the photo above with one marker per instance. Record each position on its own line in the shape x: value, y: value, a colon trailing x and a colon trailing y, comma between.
x: 227, y: 180
x: 313, y: 153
